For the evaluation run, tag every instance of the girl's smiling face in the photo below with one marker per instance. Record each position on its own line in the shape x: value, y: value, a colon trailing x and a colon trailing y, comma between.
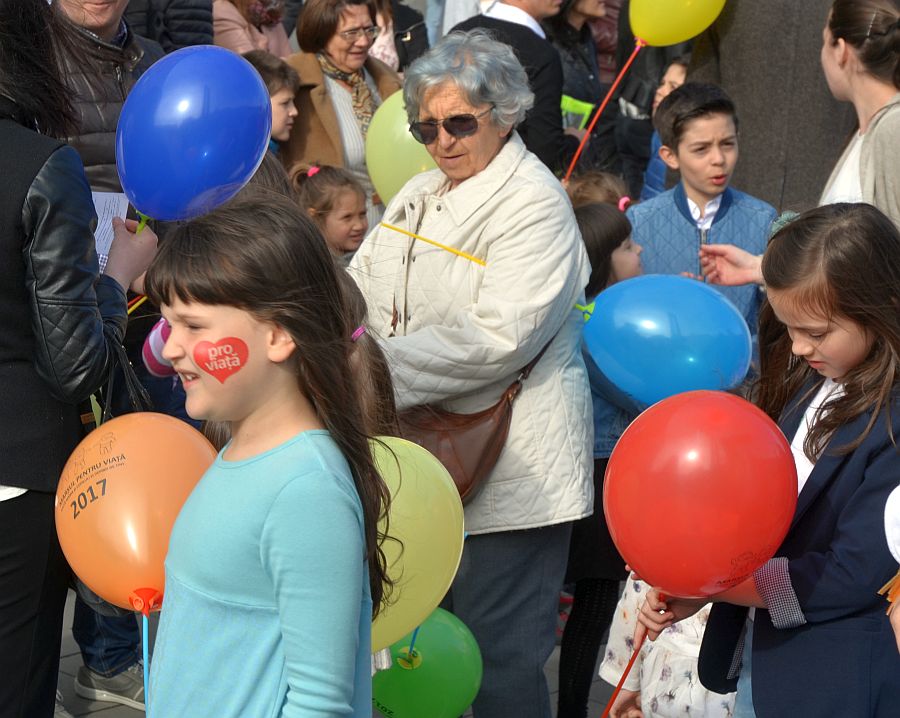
x: 833, y: 346
x: 225, y: 357
x: 345, y: 224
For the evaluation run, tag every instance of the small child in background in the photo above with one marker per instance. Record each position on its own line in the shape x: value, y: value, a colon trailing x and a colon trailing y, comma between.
x: 594, y: 186
x: 282, y: 82
x: 663, y: 681
x: 595, y: 566
x: 655, y: 174
x: 336, y: 202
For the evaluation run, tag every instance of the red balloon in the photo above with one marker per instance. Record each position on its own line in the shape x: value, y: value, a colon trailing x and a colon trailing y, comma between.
x: 699, y: 492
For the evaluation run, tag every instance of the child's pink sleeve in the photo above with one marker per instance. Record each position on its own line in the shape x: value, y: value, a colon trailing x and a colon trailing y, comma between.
x: 152, y: 351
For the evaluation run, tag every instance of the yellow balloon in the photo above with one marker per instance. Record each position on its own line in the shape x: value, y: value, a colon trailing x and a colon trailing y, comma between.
x: 393, y: 157
x: 426, y: 536
x: 667, y: 22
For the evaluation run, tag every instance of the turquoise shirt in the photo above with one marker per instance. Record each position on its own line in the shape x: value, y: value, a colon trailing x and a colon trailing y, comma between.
x: 267, y: 610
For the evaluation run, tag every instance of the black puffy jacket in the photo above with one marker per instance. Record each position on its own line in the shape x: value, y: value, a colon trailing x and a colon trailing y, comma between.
x: 101, y: 85
x: 172, y: 23
x: 59, y: 323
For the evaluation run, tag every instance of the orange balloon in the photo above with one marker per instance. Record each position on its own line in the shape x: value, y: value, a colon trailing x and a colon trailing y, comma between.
x: 117, y: 500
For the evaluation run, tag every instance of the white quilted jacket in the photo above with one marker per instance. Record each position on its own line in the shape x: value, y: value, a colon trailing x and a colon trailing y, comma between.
x: 464, y: 331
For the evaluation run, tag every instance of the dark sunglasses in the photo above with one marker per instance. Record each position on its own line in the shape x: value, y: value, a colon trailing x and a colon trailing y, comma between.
x: 456, y: 126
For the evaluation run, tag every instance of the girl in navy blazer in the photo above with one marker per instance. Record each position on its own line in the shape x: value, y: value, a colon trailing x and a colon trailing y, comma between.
x: 816, y: 641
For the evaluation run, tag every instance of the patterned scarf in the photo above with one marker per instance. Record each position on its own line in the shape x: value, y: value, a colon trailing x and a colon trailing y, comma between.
x: 363, y: 102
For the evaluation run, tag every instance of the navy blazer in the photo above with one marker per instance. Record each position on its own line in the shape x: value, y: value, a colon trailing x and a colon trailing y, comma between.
x: 844, y: 661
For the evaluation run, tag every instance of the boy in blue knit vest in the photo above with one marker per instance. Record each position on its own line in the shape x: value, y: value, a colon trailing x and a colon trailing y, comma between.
x: 698, y: 126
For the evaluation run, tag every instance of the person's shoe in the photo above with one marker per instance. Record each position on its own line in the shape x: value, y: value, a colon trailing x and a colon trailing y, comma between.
x: 126, y: 687
x: 61, y: 711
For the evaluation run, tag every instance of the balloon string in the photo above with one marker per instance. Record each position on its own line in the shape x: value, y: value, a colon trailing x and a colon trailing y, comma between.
x: 136, y: 302
x: 142, y: 223
x: 146, y: 641
x: 637, y: 649
x: 412, y: 644
x: 638, y: 44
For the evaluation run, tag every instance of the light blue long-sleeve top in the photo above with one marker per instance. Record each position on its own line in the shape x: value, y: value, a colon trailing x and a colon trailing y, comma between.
x: 267, y: 609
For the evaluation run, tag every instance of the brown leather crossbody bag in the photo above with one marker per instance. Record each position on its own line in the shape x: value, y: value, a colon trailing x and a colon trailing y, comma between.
x: 468, y: 445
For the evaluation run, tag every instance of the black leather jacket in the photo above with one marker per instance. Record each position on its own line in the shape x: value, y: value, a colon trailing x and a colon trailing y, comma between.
x: 60, y: 323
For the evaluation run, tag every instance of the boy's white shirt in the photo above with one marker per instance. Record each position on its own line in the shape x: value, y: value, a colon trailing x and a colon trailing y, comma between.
x: 709, y: 212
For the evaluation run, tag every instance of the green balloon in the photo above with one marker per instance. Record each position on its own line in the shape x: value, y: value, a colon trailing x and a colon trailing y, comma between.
x: 393, y: 157
x: 439, y: 680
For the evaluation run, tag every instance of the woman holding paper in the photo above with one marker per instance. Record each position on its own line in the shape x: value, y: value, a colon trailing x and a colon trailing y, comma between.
x: 57, y: 331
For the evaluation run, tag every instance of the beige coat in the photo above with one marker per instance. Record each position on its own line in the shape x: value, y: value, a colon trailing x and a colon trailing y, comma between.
x: 316, y: 137
x: 464, y: 331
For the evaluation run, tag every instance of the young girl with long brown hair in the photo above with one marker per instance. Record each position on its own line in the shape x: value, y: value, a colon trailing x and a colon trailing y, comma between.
x: 274, y: 563
x: 818, y: 642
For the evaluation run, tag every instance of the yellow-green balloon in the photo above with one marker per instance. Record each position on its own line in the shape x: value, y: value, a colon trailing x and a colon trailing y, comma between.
x: 439, y: 680
x: 667, y: 22
x: 426, y: 536
x: 393, y: 157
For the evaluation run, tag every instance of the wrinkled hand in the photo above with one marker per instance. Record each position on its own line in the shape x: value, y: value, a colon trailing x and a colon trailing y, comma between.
x: 729, y: 265
x: 659, y: 612
x: 627, y: 705
x: 130, y: 253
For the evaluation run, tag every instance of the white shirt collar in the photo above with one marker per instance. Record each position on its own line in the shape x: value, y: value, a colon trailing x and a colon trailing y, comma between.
x: 709, y: 212
x: 502, y: 11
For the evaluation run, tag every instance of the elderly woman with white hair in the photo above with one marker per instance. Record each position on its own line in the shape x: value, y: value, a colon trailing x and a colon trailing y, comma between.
x: 458, y: 323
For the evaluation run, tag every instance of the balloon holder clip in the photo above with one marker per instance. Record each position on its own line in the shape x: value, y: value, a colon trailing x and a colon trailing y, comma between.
x: 145, y: 600
x: 407, y: 660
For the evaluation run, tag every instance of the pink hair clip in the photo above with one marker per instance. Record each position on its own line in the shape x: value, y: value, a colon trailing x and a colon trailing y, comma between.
x: 624, y: 202
x: 358, y: 332
x: 311, y: 172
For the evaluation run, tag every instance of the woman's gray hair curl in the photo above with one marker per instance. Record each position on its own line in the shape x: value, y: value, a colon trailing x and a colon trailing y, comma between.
x: 485, y: 70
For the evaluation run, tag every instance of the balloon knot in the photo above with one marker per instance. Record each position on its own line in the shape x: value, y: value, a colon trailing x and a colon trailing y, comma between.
x: 144, y: 600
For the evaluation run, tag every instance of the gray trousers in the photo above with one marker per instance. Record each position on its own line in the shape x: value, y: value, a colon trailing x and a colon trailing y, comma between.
x: 507, y: 593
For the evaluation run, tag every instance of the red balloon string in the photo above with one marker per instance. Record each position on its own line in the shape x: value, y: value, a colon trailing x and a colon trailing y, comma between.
x: 637, y: 649
x: 638, y: 44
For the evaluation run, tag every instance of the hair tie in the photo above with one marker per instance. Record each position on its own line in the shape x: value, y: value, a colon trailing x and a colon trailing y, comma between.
x: 358, y: 332
x: 624, y: 202
x: 311, y: 172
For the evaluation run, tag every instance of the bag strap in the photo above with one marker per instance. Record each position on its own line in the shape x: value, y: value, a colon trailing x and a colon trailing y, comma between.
x: 516, y: 386
x: 137, y: 394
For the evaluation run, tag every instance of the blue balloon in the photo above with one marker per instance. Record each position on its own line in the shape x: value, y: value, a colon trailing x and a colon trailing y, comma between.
x: 659, y: 335
x: 192, y: 132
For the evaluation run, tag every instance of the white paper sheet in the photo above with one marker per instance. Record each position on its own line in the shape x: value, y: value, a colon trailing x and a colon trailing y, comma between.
x: 107, y: 205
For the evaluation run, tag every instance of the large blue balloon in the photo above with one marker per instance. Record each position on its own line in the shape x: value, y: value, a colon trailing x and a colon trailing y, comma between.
x: 659, y: 335
x: 192, y: 132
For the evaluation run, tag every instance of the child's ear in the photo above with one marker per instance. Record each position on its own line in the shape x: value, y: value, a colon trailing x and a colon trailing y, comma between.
x: 280, y: 345
x: 670, y: 157
x: 311, y: 212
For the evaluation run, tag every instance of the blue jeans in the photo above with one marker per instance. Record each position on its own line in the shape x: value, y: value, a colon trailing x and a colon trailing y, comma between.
x: 108, y: 645
x: 507, y: 593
